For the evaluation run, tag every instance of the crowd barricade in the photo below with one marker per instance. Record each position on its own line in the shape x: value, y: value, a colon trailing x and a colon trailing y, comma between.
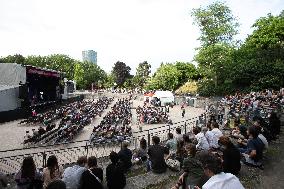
x: 67, y: 153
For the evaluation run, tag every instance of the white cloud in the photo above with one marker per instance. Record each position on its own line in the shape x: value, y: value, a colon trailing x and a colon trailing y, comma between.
x: 127, y: 30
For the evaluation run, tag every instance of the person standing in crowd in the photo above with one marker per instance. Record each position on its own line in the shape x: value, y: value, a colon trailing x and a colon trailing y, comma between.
x: 212, y: 167
x: 92, y: 177
x: 231, y: 156
x: 125, y: 156
x: 115, y: 173
x: 29, y: 177
x: 3, y: 181
x: 156, y: 153
x: 52, y: 172
x: 72, y: 175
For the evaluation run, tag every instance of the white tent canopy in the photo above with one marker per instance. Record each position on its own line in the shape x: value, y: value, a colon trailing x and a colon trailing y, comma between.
x: 164, y: 96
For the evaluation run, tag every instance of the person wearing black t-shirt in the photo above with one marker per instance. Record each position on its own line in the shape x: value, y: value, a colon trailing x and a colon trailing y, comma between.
x: 125, y: 156
x: 231, y: 156
x: 115, y: 173
x: 156, y: 154
x: 255, y: 147
x: 93, y: 177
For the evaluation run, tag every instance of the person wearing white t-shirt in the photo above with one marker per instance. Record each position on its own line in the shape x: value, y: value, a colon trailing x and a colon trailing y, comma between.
x: 216, y: 135
x: 218, y: 179
x: 202, y: 143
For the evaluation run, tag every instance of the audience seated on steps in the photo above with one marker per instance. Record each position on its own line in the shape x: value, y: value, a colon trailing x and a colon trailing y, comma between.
x: 212, y: 167
x: 254, y: 151
x: 231, y: 156
x: 28, y: 176
x: 71, y: 175
x: 156, y: 152
x: 179, y: 136
x: 216, y: 134
x: 202, y: 142
x: 171, y: 143
x: 125, y: 156
x: 140, y: 155
x: 193, y: 174
x: 92, y: 177
x: 52, y: 172
x: 115, y: 173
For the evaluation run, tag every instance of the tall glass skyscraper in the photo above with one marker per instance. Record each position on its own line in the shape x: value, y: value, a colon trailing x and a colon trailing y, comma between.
x: 90, y: 56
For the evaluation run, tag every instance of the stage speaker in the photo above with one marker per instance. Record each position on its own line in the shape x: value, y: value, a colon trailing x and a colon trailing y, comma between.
x: 23, y: 91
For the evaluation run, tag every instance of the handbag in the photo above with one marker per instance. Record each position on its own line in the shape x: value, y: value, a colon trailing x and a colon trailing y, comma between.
x: 99, y: 180
x: 173, y: 164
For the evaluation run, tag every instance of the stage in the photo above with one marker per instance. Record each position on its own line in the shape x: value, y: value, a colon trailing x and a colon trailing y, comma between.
x: 25, y: 87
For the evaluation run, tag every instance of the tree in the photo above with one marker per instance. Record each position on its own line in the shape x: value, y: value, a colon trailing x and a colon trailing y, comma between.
x: 87, y: 73
x: 259, y: 62
x: 63, y: 63
x: 142, y: 74
x: 187, y: 72
x: 17, y: 58
x: 165, y: 78
x: 218, y: 27
x: 121, y: 72
x: 216, y: 23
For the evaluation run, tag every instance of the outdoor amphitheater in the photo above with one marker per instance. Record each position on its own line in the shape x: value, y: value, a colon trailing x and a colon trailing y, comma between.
x: 13, y: 150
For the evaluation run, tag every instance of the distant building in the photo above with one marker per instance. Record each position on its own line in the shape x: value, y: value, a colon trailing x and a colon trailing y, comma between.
x: 90, y: 56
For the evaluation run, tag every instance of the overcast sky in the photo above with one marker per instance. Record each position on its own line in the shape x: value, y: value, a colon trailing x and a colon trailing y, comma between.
x: 126, y: 30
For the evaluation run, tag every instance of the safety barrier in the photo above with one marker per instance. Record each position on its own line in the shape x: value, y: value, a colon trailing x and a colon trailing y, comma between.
x: 67, y: 153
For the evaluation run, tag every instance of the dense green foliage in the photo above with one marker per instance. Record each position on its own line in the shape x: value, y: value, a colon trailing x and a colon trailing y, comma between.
x: 171, y: 76
x: 142, y: 74
x: 120, y: 72
x: 257, y: 63
x: 216, y: 23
